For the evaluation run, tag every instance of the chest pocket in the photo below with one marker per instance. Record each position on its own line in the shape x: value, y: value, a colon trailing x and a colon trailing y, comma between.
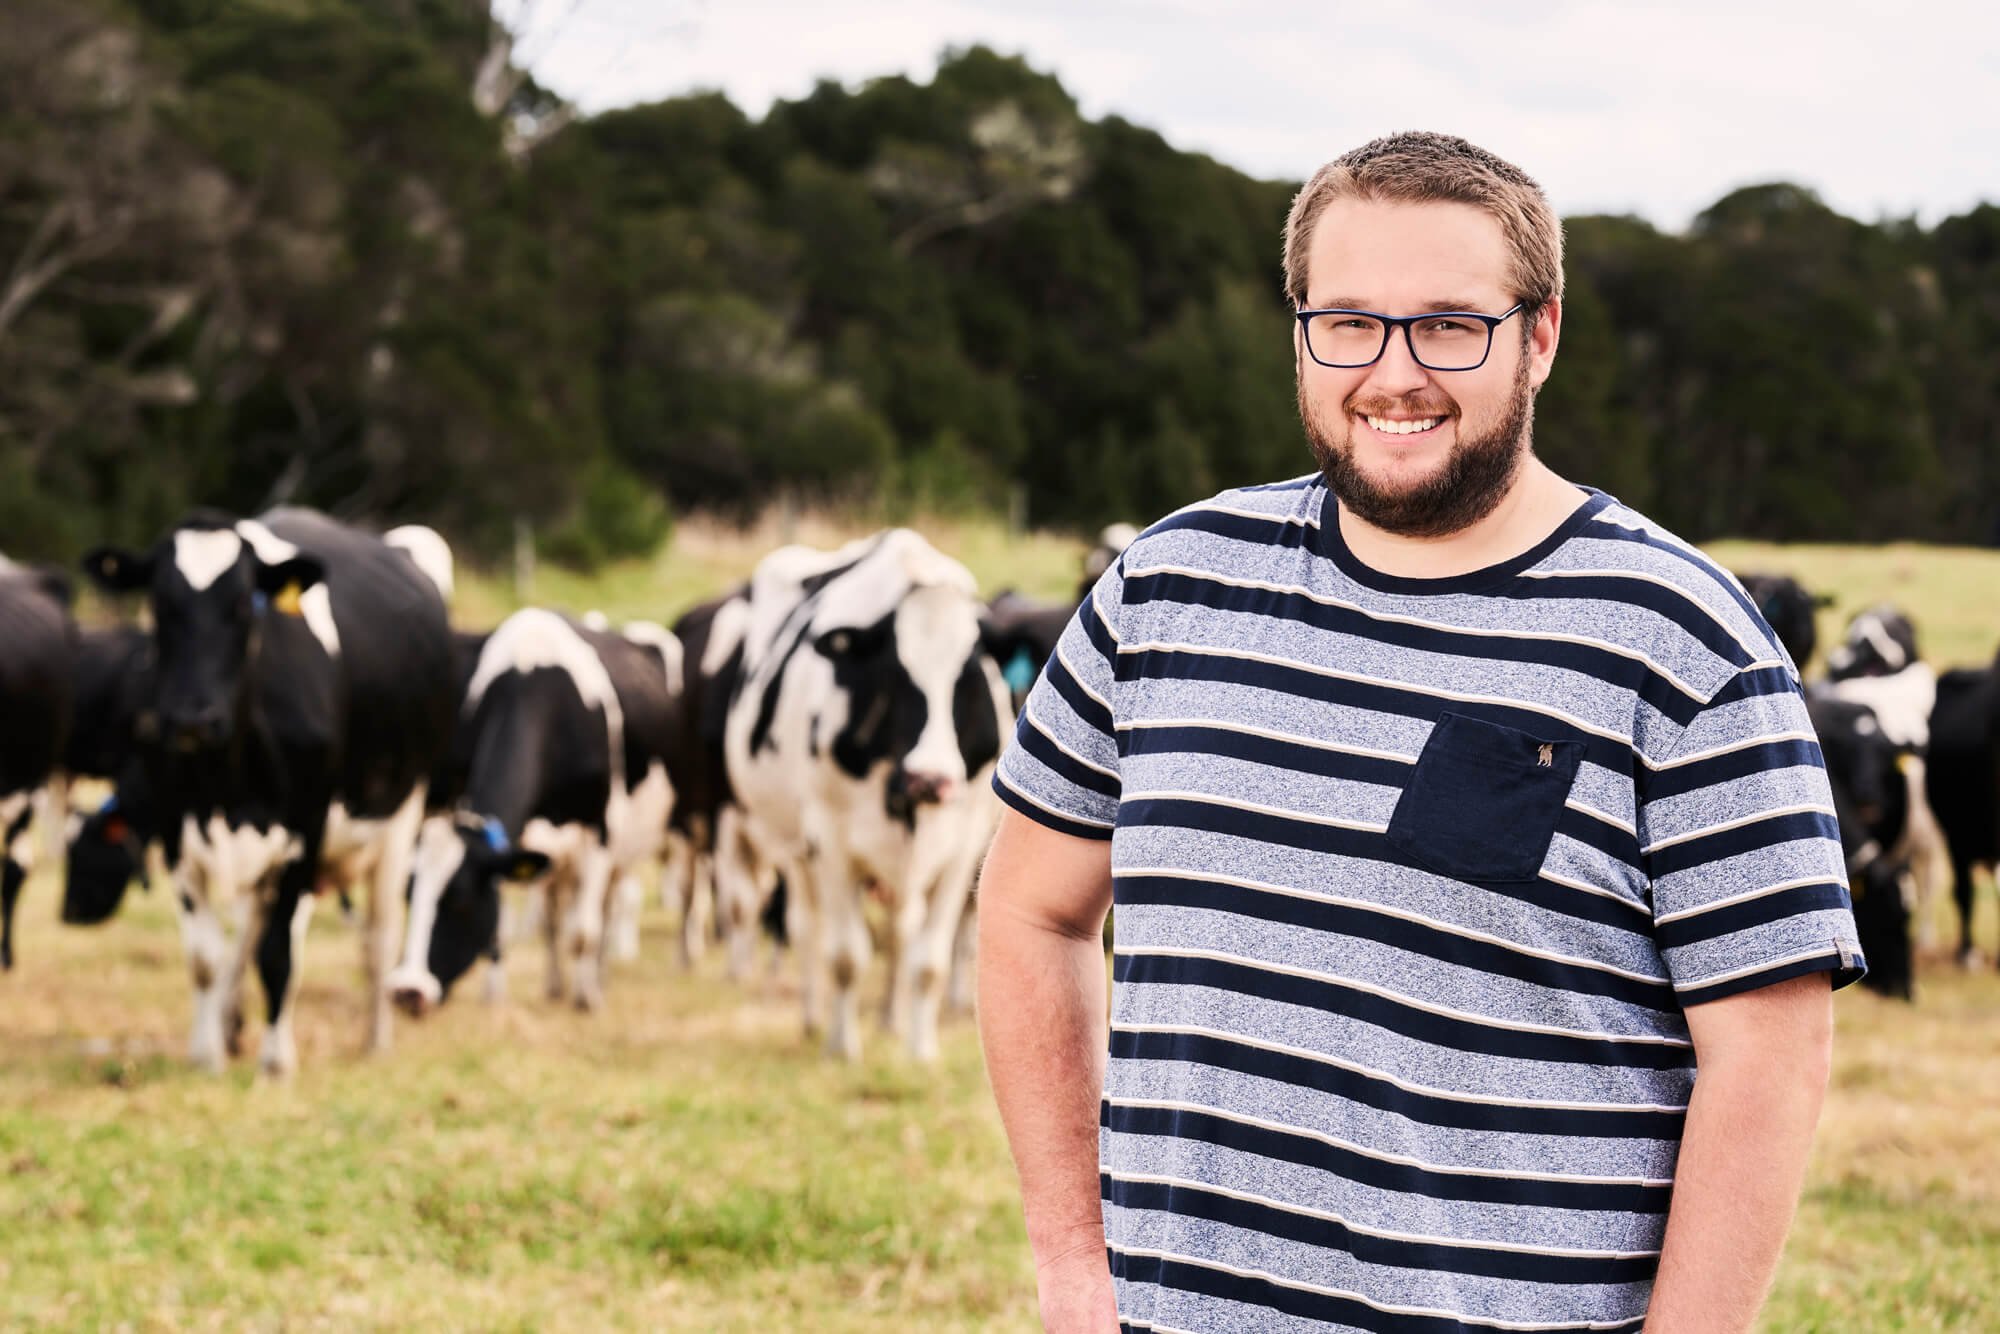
x: 1484, y: 800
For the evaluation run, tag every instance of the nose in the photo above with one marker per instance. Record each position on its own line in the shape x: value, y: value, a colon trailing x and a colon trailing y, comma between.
x: 1396, y: 371
x: 926, y: 788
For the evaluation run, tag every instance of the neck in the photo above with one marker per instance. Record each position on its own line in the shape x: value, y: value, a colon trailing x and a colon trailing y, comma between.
x: 1533, y: 507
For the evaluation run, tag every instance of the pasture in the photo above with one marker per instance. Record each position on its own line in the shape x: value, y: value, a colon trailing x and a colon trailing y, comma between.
x: 685, y: 1161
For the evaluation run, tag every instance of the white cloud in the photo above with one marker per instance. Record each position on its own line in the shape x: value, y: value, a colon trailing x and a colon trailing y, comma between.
x: 1652, y: 108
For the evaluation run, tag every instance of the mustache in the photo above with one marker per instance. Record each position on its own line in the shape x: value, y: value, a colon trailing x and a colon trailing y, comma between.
x: 1410, y: 405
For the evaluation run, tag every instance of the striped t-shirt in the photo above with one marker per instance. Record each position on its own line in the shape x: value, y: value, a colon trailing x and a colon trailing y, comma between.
x: 1413, y: 879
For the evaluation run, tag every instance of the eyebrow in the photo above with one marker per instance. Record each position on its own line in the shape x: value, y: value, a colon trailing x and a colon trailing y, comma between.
x: 1427, y: 308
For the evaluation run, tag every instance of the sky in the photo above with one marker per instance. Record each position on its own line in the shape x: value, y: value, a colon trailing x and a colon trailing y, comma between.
x: 1886, y: 110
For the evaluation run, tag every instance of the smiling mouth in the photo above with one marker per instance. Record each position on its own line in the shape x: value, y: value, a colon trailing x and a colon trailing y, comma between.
x: 1401, y: 426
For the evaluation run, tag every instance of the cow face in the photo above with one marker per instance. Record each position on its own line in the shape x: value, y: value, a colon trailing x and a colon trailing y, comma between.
x: 105, y: 856
x: 455, y: 890
x: 902, y: 677
x: 208, y: 582
x: 1879, y: 642
x: 1870, y: 793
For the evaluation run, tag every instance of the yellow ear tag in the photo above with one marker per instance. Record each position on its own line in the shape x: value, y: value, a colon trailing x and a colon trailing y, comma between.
x: 1903, y: 763
x: 287, y: 600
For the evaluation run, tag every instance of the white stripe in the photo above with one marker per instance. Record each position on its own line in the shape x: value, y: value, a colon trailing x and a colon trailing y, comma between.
x: 1028, y: 712
x: 1750, y: 970
x: 1538, y: 635
x: 1744, y: 897
x: 1102, y: 619
x: 1414, y: 1238
x: 1678, y: 760
x: 1598, y: 890
x: 1270, y: 734
x: 1205, y: 799
x: 1161, y: 646
x: 1604, y: 816
x: 1419, y: 919
x: 1756, y: 651
x: 1738, y: 823
x: 1445, y: 1011
x: 1426, y: 1090
x: 1298, y: 1285
x: 1401, y: 1160
x: 1081, y: 684
x: 1033, y: 800
x: 1282, y: 520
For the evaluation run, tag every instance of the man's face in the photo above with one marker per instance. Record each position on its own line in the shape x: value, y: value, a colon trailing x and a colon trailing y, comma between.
x: 1407, y: 259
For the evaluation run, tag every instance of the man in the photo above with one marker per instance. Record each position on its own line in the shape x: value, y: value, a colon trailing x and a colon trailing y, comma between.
x: 1454, y: 814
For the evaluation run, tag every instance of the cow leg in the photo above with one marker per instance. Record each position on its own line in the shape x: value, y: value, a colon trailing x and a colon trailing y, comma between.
x: 964, y: 962
x: 1961, y: 897
x: 17, y: 813
x: 280, y: 954
x: 215, y: 966
x: 844, y: 949
x: 493, y: 987
x: 929, y: 968
x: 736, y: 892
x: 906, y: 929
x: 395, y: 853
x: 622, y: 915
x: 584, y: 932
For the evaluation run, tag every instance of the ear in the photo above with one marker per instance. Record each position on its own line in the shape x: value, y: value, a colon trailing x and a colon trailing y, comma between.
x: 284, y: 581
x: 117, y: 570
x: 523, y: 866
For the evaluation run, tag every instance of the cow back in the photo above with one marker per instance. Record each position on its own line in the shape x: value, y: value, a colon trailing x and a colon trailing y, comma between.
x: 37, y: 650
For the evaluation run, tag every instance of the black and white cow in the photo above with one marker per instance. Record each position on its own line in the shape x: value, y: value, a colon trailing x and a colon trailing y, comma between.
x: 564, y: 735
x: 303, y: 696
x: 1111, y: 543
x: 37, y: 647
x: 1021, y: 634
x: 860, y: 744
x: 1876, y: 664
x: 1789, y: 609
x: 1871, y: 798
x: 1963, y: 782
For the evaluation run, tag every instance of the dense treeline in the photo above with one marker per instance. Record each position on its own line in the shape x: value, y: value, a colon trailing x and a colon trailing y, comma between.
x: 341, y: 252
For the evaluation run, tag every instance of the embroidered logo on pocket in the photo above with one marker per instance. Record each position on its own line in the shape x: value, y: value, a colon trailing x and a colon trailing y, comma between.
x: 1546, y: 756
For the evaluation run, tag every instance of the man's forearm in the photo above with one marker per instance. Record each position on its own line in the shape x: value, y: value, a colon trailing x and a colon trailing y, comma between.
x: 1042, y: 1021
x: 1742, y: 1161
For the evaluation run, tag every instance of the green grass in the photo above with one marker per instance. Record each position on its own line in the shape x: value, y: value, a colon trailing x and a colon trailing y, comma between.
x: 685, y: 1161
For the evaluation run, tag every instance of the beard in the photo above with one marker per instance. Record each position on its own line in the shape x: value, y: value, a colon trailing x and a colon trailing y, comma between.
x: 1473, y: 479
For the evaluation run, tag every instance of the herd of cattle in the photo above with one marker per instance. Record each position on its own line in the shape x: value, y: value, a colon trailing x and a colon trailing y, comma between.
x: 301, y: 717
x: 1914, y: 760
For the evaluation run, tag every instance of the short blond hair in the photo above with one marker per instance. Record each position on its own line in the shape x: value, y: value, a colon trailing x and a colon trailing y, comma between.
x: 1418, y: 167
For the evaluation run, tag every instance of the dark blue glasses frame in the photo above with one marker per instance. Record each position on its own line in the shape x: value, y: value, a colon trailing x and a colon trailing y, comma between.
x: 1390, y: 323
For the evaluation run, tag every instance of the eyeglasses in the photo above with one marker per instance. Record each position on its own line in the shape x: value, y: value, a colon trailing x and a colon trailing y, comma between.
x: 1446, y: 340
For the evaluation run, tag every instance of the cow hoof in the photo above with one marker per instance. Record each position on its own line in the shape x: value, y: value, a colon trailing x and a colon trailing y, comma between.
x: 207, y: 1060
x: 588, y: 1002
x: 410, y: 1001
x: 232, y: 1034
x: 1970, y: 958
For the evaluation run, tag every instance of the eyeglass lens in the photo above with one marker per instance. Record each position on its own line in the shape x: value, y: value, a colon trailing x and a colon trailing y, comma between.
x: 1443, y: 342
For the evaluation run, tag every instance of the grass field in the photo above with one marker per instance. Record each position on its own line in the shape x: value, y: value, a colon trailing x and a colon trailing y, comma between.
x: 684, y: 1161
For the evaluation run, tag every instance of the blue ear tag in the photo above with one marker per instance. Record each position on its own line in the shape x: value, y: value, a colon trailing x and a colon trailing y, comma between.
x: 260, y: 601
x: 496, y: 835
x: 1020, y: 670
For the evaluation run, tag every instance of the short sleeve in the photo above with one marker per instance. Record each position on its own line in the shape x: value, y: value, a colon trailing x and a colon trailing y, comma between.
x: 1743, y: 848
x: 1062, y: 770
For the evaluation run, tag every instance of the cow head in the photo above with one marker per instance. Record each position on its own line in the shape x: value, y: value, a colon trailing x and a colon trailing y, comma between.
x: 461, y: 866
x: 916, y: 695
x: 1864, y: 769
x: 1879, y: 642
x: 105, y: 855
x: 208, y: 582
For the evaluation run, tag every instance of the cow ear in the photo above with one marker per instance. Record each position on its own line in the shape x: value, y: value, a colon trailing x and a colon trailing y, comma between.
x: 524, y: 866
x: 117, y: 570
x: 284, y: 581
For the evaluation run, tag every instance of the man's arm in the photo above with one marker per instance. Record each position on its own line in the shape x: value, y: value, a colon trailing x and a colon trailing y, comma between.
x: 1042, y: 900
x: 1762, y: 1058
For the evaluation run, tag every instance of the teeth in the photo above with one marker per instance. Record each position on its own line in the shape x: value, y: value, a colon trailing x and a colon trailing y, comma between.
x: 1389, y: 426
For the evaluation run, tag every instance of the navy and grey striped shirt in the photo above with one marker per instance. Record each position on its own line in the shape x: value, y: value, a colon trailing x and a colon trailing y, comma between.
x: 1413, y: 881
